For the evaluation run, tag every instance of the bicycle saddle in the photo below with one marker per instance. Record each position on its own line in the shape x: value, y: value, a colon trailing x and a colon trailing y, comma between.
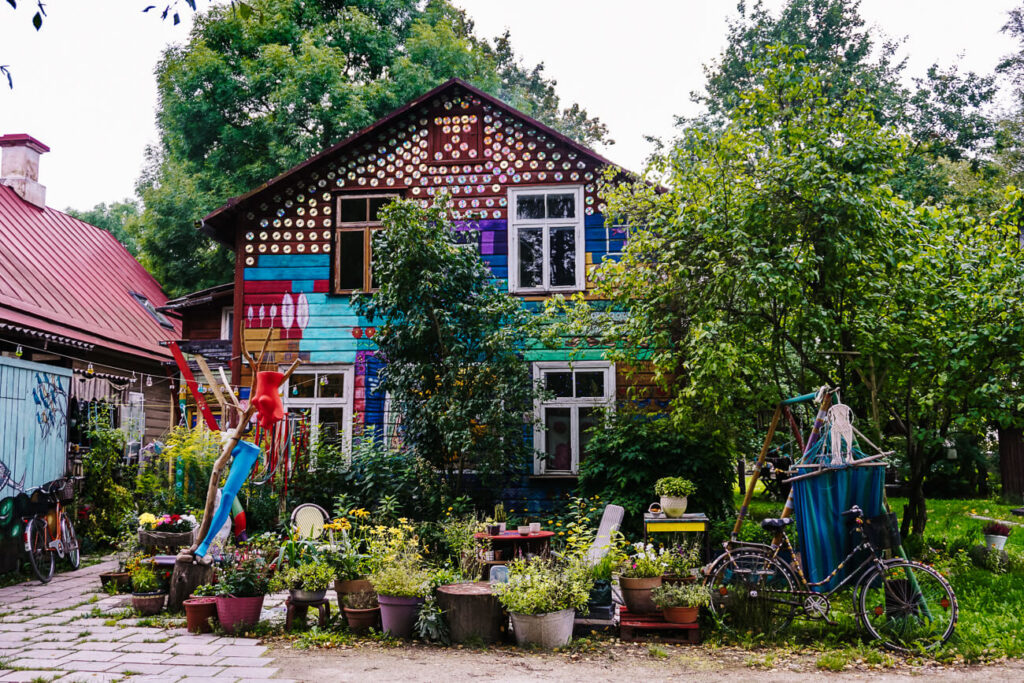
x: 776, y: 524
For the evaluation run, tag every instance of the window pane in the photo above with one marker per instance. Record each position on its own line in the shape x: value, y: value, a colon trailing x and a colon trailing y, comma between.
x: 332, y: 425
x: 530, y: 206
x: 559, y: 383
x: 563, y: 257
x: 562, y: 205
x: 301, y: 386
x: 588, y: 422
x: 331, y: 385
x: 589, y: 384
x: 353, y: 210
x: 558, y: 443
x: 376, y: 204
x: 350, y: 259
x: 531, y: 246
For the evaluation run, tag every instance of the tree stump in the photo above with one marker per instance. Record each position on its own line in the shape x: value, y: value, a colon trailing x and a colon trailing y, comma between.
x: 473, y: 612
x: 187, y: 575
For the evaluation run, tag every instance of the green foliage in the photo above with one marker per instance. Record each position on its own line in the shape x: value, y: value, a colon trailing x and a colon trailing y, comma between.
x: 403, y: 579
x: 458, y: 533
x: 247, y: 577
x: 682, y: 558
x: 104, y: 485
x: 205, y: 590
x: 674, y: 487
x: 626, y: 458
x: 541, y: 585
x: 254, y: 93
x: 451, y: 339
x: 681, y: 595
x: 188, y: 451
x: 644, y: 562
x: 144, y: 579
x: 430, y: 623
x: 309, y: 576
x: 114, y: 219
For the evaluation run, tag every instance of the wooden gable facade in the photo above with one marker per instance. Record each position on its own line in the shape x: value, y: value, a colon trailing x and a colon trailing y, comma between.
x: 302, y: 244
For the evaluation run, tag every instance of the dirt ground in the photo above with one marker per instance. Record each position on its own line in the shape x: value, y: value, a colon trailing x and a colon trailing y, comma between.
x: 619, y: 665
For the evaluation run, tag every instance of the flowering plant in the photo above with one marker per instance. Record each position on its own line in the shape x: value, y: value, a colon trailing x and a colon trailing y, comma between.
x: 680, y: 559
x: 645, y: 562
x: 167, y: 523
x: 347, y: 552
x: 996, y: 529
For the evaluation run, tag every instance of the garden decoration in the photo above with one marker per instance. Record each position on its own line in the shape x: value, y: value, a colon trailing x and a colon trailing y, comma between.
x: 995, y: 534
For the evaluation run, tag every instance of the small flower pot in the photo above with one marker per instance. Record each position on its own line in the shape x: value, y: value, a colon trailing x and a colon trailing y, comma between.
x: 681, y: 615
x: 235, y: 614
x: 300, y: 595
x: 673, y: 506
x: 501, y: 527
x: 994, y: 541
x: 488, y: 556
x: 148, y: 604
x: 362, y: 620
x: 534, y: 527
x: 493, y: 529
x: 636, y: 593
x: 199, y: 614
x: 398, y: 614
x: 550, y: 630
x: 123, y: 580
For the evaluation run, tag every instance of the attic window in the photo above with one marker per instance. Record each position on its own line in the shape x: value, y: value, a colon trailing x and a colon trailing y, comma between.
x: 455, y: 137
x: 151, y: 309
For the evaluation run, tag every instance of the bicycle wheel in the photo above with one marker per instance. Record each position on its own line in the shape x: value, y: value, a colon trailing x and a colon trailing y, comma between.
x: 752, y: 591
x: 908, y: 605
x: 70, y: 540
x: 37, y: 537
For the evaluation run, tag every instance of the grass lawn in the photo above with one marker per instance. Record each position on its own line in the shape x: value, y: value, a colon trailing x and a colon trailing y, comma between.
x: 989, y: 626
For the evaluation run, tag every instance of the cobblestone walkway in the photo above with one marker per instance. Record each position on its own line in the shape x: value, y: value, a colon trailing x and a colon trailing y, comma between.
x: 58, y: 631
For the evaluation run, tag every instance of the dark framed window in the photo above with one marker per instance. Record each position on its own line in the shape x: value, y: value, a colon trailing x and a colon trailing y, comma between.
x: 358, y: 218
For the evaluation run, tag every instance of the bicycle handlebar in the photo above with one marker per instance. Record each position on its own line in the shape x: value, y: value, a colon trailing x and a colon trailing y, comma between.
x: 855, y: 511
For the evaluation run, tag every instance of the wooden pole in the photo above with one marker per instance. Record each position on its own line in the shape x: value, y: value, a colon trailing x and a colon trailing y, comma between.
x: 765, y: 447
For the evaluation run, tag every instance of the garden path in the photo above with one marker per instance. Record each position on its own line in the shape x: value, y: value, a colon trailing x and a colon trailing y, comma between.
x: 58, y: 631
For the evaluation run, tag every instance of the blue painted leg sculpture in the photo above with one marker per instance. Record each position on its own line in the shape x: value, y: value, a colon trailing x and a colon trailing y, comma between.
x: 244, y: 457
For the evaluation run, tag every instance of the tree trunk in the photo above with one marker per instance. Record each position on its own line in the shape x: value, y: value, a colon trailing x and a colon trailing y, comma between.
x: 915, y: 513
x: 741, y: 473
x: 187, y: 575
x: 1011, y: 464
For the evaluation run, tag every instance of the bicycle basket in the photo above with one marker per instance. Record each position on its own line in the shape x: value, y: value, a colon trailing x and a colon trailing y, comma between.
x: 883, y: 532
x: 66, y: 493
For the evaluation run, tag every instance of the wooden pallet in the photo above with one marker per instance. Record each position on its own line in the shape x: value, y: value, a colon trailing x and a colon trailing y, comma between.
x: 653, y: 627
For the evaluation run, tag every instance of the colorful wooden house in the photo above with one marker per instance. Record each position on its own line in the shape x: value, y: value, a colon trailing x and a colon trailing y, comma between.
x: 303, y: 245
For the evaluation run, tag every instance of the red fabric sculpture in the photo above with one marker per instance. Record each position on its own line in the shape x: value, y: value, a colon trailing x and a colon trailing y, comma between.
x: 269, y: 409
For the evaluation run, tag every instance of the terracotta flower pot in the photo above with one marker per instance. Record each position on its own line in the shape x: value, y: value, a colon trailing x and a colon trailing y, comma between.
x: 637, y: 594
x: 199, y: 612
x: 362, y: 620
x: 398, y: 615
x: 681, y: 615
x: 236, y: 613
x: 678, y: 579
x: 343, y: 588
x: 148, y: 604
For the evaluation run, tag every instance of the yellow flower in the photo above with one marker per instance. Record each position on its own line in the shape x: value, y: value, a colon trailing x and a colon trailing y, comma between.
x: 147, y: 519
x: 561, y: 533
x: 558, y: 524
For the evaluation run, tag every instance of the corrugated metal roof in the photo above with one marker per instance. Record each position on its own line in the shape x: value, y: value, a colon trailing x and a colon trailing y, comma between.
x: 74, y: 279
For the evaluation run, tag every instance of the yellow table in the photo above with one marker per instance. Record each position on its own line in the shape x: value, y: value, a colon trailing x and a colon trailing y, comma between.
x: 693, y: 522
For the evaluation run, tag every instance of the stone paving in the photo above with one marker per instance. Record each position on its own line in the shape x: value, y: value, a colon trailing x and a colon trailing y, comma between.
x: 61, y: 631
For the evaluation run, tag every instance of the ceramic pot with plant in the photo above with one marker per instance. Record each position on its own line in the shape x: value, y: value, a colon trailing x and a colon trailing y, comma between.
x: 500, y: 517
x: 242, y: 586
x: 201, y: 609
x: 492, y: 528
x: 996, y: 534
x: 402, y: 587
x: 681, y: 603
x: 308, y: 581
x: 542, y: 596
x: 673, y: 492
x: 641, y: 573
x: 362, y: 611
x: 523, y: 529
x: 147, y: 596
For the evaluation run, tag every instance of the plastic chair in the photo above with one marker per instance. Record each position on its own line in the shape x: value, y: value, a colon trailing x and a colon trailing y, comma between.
x: 611, y: 520
x: 308, y: 520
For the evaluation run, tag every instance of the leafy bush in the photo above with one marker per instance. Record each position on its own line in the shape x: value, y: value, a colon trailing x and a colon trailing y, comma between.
x: 177, y: 478
x: 996, y: 529
x: 675, y: 487
x: 626, y: 458
x: 205, y: 590
x: 144, y: 580
x: 681, y: 595
x: 402, y: 579
x: 309, y: 576
x: 248, y: 577
x: 645, y: 562
x: 104, y: 486
x: 540, y: 586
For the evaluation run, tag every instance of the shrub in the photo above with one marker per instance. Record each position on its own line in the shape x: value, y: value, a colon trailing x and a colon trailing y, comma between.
x: 681, y: 595
x: 675, y: 487
x: 402, y: 579
x: 248, y: 577
x: 309, y: 576
x: 541, y: 585
x: 626, y: 458
x: 205, y: 590
x: 361, y: 600
x: 144, y: 580
x: 104, y: 483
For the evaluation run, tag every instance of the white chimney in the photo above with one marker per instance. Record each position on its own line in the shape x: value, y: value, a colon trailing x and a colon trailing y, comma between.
x: 19, y: 167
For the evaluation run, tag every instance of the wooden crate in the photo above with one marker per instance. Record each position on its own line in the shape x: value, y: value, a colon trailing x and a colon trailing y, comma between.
x: 653, y: 627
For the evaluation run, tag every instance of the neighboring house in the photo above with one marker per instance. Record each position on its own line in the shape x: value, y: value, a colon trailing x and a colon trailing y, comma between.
x: 303, y: 245
x: 72, y: 296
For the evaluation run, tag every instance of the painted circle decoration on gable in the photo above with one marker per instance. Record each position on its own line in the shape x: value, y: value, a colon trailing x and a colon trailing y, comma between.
x: 302, y: 311
x: 287, y: 311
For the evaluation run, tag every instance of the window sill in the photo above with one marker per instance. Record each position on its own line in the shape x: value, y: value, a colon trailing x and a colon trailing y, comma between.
x: 554, y: 476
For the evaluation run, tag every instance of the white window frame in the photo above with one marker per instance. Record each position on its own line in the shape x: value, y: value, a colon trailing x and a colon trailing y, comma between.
x: 540, y: 433
x: 226, y: 321
x: 346, y: 402
x: 514, y: 225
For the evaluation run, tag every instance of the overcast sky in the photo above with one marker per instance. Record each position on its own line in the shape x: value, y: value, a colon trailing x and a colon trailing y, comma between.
x: 84, y: 84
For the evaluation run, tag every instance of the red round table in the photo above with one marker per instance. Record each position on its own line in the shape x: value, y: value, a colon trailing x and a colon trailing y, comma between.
x: 512, y: 544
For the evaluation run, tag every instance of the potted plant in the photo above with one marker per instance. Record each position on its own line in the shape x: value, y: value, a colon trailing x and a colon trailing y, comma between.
x: 681, y: 603
x: 147, y: 598
x: 500, y: 517
x: 599, y: 602
x: 996, y: 534
x: 491, y: 527
x: 641, y: 573
x: 542, y: 596
x: 120, y: 581
x: 673, y: 492
x: 362, y: 611
x: 308, y: 581
x: 347, y: 555
x: 166, y: 531
x: 402, y: 587
x: 201, y: 609
x: 680, y: 563
x: 241, y: 588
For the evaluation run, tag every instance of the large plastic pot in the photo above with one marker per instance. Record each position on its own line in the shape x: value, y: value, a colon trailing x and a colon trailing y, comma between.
x: 235, y: 614
x: 398, y: 615
x: 198, y: 614
x: 636, y: 593
x: 550, y: 630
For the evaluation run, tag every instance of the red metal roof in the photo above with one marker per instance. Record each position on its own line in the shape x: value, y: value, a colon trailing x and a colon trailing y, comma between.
x: 73, y: 279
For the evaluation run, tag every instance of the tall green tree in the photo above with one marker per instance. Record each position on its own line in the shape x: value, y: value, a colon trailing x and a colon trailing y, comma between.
x: 113, y: 218
x: 253, y: 93
x: 452, y: 341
